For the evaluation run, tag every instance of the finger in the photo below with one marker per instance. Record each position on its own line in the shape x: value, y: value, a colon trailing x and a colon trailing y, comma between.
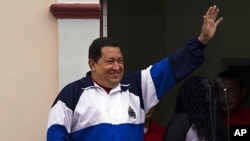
x: 209, y: 11
x: 205, y: 19
x: 218, y: 21
x: 214, y: 12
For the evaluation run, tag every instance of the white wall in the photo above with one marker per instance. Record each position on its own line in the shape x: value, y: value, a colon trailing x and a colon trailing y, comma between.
x: 28, y: 68
x: 75, y: 36
x: 32, y: 41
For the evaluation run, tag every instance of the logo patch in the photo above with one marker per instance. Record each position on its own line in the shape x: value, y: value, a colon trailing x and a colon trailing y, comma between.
x: 131, y: 113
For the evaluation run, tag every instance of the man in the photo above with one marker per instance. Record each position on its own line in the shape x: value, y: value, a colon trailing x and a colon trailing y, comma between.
x: 107, y: 105
x: 231, y: 93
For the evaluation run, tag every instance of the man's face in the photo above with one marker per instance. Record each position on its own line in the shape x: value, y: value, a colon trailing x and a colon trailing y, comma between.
x: 233, y: 95
x: 109, y: 69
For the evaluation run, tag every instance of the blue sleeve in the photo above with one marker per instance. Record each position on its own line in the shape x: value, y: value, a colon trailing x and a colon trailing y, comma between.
x: 185, y: 60
x: 162, y: 76
x: 60, y: 117
x: 57, y: 133
x: 178, y: 65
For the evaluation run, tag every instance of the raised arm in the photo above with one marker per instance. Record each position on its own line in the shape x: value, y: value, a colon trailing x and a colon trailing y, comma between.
x: 210, y: 23
x: 182, y: 62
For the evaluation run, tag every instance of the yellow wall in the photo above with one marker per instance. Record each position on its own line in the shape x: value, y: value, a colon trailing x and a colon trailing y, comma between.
x: 28, y: 68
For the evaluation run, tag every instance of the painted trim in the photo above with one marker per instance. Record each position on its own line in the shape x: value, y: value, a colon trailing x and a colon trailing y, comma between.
x: 76, y: 10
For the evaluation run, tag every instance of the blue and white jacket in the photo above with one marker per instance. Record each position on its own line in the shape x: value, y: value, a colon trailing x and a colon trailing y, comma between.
x: 83, y: 111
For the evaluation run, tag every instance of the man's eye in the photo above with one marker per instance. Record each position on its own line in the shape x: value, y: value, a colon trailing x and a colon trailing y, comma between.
x: 110, y: 61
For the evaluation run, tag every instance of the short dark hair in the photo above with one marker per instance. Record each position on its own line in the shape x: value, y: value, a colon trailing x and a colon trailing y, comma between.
x: 98, y: 44
x: 231, y: 74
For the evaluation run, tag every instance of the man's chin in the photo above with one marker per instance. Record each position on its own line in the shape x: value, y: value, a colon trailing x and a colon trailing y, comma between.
x: 114, y: 83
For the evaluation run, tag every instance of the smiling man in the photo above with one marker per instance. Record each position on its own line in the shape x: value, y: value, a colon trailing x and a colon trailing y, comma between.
x: 107, y: 105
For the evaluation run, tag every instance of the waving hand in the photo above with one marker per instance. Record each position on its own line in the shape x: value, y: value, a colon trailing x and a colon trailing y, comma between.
x: 210, y: 23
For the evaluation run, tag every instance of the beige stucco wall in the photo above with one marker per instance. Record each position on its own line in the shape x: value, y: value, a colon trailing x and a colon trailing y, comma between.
x: 28, y: 68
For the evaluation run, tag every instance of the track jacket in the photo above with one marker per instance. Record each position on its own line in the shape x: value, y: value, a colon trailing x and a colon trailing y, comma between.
x: 83, y: 111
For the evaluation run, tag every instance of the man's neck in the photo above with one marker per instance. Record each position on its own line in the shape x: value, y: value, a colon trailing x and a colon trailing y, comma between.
x: 105, y: 88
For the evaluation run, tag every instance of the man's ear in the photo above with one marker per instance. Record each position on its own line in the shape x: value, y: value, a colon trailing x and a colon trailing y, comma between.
x: 92, y: 64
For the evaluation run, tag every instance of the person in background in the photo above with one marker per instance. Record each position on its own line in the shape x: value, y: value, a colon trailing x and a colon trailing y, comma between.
x: 231, y: 93
x: 152, y: 130
x: 107, y: 105
x: 196, y: 117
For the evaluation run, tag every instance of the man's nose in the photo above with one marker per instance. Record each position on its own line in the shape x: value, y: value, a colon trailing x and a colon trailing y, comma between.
x: 116, y: 65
